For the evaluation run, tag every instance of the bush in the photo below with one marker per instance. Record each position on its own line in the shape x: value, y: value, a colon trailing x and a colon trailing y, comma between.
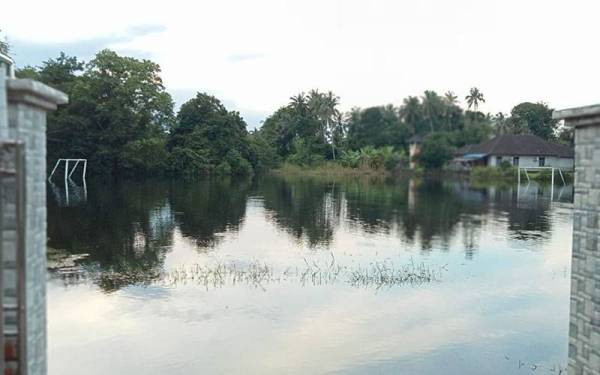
x: 302, y: 155
x: 263, y: 156
x: 436, y: 151
x: 145, y: 156
x: 223, y: 169
x: 350, y: 159
x: 238, y: 165
x: 483, y: 174
x: 505, y: 165
x: 374, y: 158
x: 185, y: 161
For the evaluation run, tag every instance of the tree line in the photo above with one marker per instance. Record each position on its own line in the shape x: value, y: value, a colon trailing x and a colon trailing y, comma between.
x: 121, y: 118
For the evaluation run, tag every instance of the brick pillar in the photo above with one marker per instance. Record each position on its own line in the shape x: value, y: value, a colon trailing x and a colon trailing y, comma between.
x: 28, y: 102
x: 584, y: 332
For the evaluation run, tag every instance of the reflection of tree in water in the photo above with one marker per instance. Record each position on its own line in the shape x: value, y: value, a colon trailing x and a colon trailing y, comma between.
x: 306, y: 208
x: 204, y: 209
x: 125, y: 229
x: 428, y: 210
x: 527, y: 211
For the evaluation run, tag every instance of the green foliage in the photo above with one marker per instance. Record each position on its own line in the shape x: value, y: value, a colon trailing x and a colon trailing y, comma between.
x: 474, y: 98
x: 566, y: 136
x: 490, y: 174
x: 121, y: 119
x: 263, y: 154
x: 534, y: 118
x: 373, y: 158
x: 188, y: 162
x: 205, y: 127
x: 303, y: 155
x: 118, y: 106
x: 376, y: 127
x: 146, y: 156
x: 350, y: 158
x: 313, y: 118
x: 505, y: 164
x: 238, y: 164
x: 436, y: 151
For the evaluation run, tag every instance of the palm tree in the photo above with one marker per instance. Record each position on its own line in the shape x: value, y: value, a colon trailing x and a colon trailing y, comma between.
x: 451, y: 99
x: 501, y: 124
x: 431, y: 106
x: 324, y: 107
x: 299, y: 102
x: 411, y: 112
x: 475, y: 96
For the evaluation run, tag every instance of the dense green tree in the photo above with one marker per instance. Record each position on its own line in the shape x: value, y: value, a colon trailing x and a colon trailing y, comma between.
x: 310, y: 124
x: 566, y: 136
x: 436, y: 150
x: 209, y: 136
x: 534, y: 118
x: 119, y: 110
x: 377, y: 127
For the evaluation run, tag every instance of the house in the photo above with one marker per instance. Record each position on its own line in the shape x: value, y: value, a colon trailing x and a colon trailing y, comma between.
x: 519, y: 150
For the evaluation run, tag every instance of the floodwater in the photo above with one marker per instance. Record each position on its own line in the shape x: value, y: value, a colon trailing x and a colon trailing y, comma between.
x: 307, y: 276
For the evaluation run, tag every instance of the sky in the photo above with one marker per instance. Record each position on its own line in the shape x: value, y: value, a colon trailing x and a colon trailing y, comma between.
x: 254, y: 55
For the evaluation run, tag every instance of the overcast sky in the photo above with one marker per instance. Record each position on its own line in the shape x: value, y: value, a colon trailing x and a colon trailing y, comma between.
x: 254, y: 55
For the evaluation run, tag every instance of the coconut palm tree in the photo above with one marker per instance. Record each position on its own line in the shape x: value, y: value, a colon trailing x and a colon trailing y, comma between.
x: 324, y: 107
x: 431, y: 107
x: 411, y: 112
x: 501, y: 124
x: 451, y: 99
x: 474, y: 98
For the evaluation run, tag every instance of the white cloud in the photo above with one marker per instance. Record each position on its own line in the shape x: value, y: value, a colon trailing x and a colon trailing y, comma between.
x: 258, y: 53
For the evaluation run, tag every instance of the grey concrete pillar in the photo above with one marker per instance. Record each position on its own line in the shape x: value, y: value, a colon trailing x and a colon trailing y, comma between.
x: 584, y: 331
x: 28, y: 101
x: 3, y: 103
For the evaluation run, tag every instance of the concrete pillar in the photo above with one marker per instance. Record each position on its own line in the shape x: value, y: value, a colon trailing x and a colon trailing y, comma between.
x: 3, y: 103
x: 28, y: 101
x: 584, y: 331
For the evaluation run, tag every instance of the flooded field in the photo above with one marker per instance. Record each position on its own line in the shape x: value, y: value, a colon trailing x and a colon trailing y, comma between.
x: 308, y: 276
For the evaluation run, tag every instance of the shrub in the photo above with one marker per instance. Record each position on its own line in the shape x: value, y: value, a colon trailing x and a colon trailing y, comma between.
x: 185, y: 161
x: 223, y: 169
x: 302, y: 155
x: 145, y: 156
x: 483, y: 174
x: 238, y: 165
x: 436, y: 151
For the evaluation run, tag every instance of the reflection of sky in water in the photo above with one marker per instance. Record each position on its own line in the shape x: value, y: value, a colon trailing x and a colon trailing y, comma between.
x: 503, y: 299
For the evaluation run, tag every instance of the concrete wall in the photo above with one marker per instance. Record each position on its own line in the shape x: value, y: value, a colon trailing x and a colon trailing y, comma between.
x: 584, y: 328
x: 28, y: 101
x: 532, y: 161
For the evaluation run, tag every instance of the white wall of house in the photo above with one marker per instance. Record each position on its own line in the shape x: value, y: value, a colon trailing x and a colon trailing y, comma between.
x: 531, y: 161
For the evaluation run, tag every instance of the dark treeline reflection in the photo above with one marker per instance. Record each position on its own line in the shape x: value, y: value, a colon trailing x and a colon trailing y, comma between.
x: 126, y: 229
x: 205, y: 209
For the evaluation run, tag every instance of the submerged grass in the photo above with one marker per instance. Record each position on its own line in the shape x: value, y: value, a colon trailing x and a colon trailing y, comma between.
x: 377, y: 275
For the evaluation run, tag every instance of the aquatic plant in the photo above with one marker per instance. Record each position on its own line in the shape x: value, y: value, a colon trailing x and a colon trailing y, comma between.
x: 380, y: 274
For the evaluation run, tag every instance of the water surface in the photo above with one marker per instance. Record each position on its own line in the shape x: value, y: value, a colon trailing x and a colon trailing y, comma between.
x: 305, y: 276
